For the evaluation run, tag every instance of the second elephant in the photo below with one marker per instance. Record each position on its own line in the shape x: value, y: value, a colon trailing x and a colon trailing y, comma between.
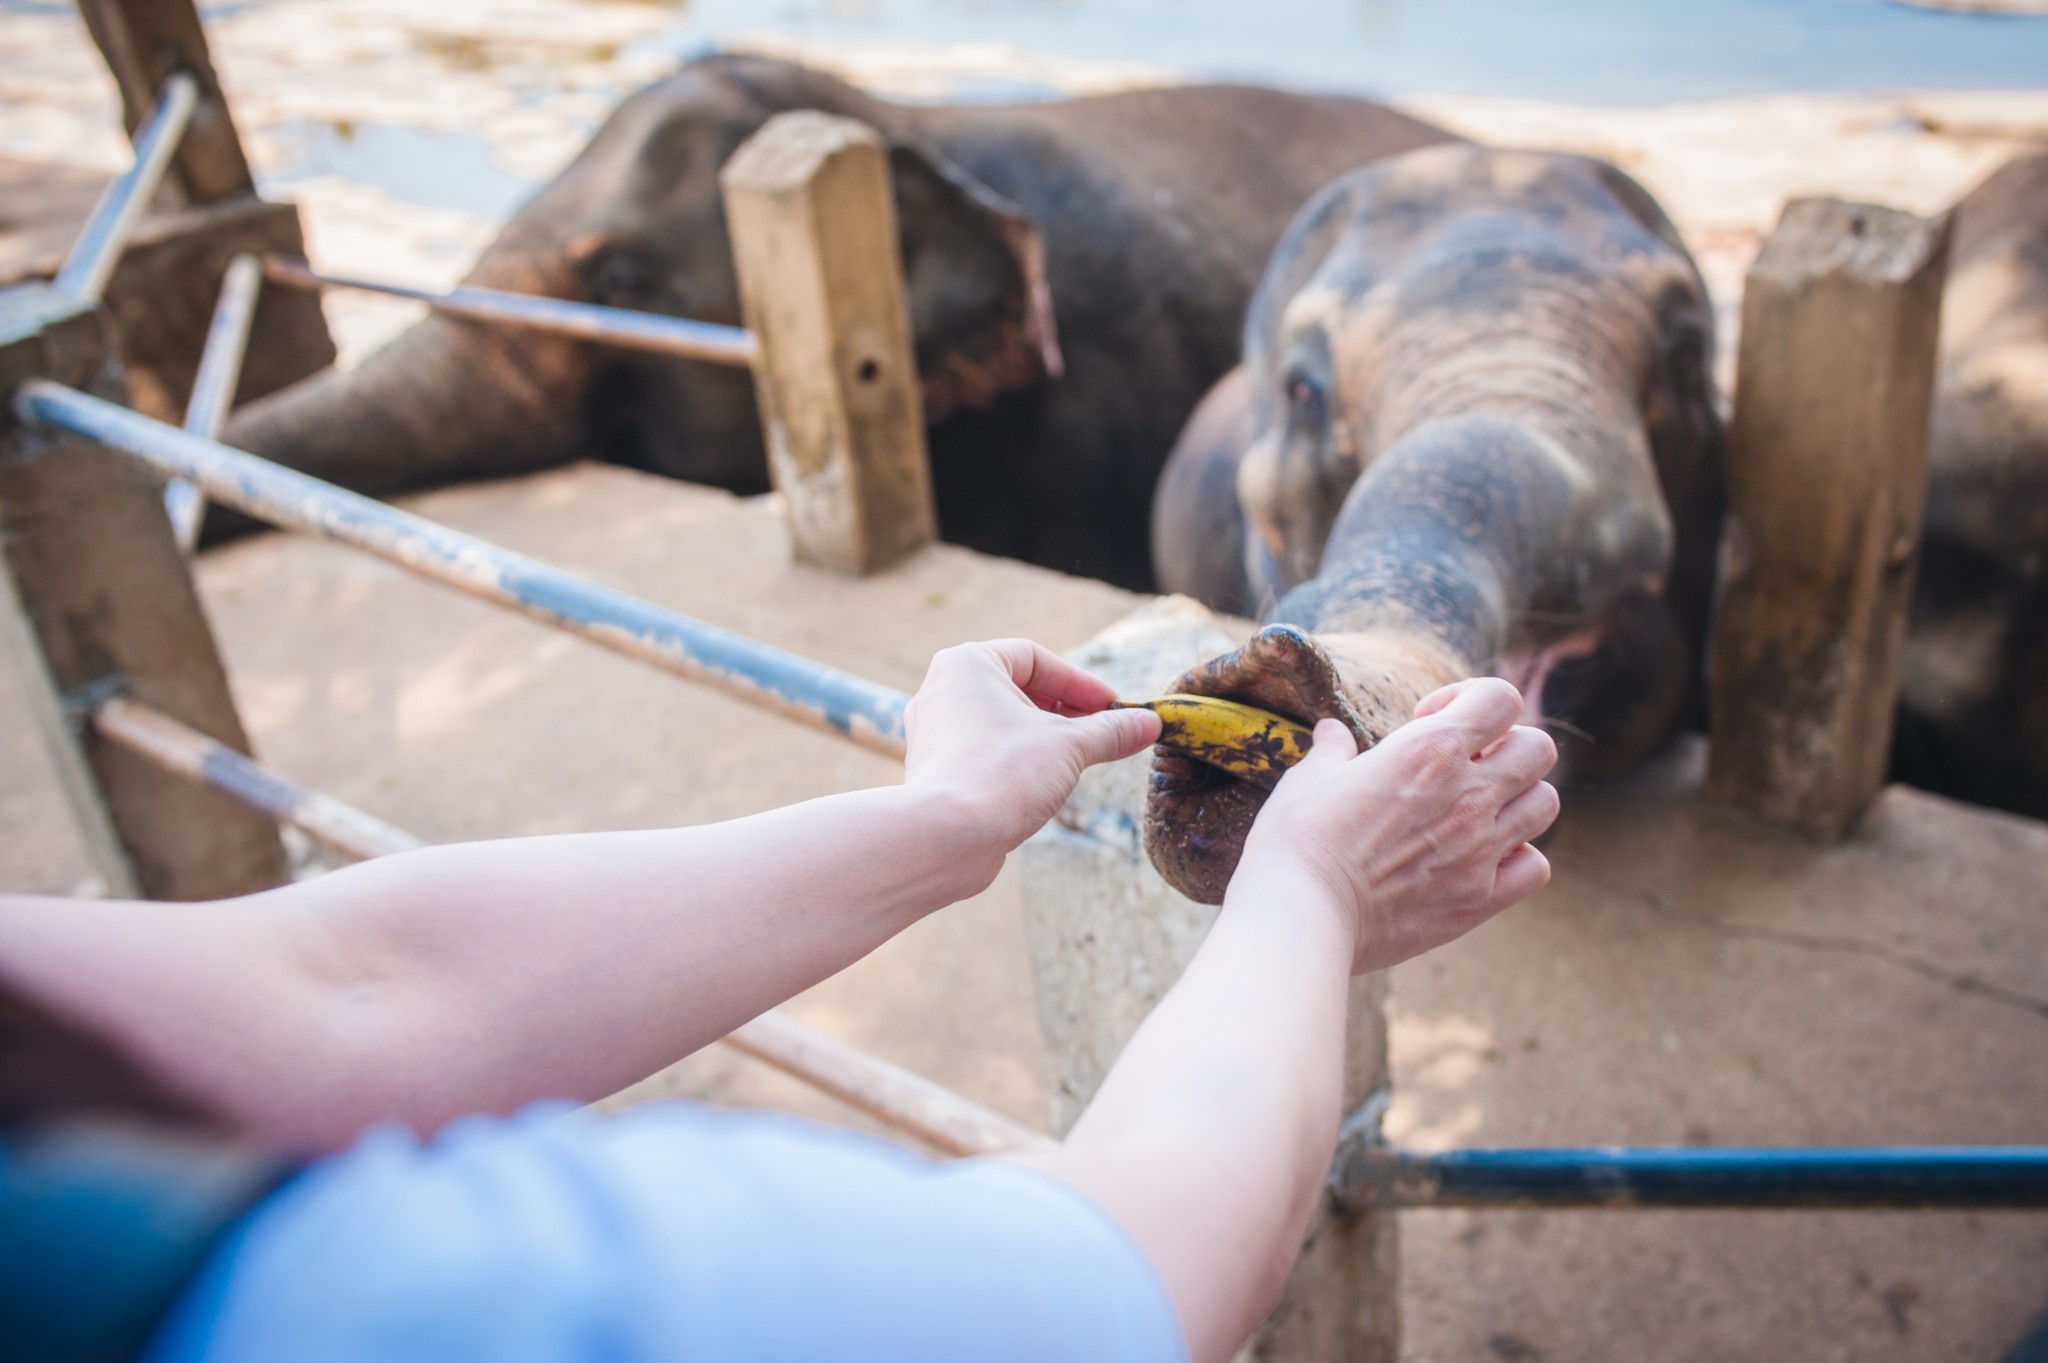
x: 1145, y: 216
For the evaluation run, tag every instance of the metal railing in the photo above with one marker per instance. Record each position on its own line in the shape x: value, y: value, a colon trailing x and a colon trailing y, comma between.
x: 586, y: 321
x: 214, y: 385
x: 86, y: 270
x: 1914, y: 1178
x: 1364, y: 1174
x: 796, y: 688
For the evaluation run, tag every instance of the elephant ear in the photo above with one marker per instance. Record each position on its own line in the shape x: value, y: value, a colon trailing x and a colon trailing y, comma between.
x: 974, y: 272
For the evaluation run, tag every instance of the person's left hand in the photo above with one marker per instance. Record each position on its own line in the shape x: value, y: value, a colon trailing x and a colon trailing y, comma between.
x: 1008, y: 727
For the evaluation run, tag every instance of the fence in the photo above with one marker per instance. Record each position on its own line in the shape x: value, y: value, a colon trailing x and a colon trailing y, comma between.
x: 99, y: 607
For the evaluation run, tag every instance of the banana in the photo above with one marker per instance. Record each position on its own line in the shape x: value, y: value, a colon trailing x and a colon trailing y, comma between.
x: 1249, y: 743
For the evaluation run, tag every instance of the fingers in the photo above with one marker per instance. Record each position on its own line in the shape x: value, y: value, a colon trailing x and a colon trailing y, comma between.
x: 1522, y: 756
x: 1333, y: 741
x: 1111, y: 735
x: 1524, y: 818
x: 1520, y: 874
x: 1051, y: 681
x: 1479, y: 709
x: 1436, y: 700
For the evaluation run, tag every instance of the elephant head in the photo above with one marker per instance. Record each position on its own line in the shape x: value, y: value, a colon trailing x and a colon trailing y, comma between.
x: 637, y: 222
x: 1478, y: 436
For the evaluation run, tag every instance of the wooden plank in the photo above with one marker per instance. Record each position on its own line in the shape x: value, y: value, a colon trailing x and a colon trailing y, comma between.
x: 1827, y: 474
x: 145, y: 40
x: 813, y: 226
x: 162, y: 295
x: 100, y: 601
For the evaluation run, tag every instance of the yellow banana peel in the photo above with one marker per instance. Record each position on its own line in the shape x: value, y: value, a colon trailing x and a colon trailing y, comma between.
x: 1249, y: 743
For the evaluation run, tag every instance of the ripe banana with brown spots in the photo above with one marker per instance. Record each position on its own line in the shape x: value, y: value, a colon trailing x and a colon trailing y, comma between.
x: 1249, y: 743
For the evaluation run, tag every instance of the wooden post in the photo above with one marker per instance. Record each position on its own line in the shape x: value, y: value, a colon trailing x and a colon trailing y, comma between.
x: 813, y: 227
x: 98, y: 600
x: 162, y: 292
x: 1827, y: 474
x: 162, y: 295
x: 1108, y: 938
x: 145, y: 40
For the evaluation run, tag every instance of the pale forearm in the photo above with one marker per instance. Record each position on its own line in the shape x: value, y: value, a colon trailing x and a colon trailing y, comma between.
x: 1209, y: 1139
x: 572, y: 966
x: 482, y: 976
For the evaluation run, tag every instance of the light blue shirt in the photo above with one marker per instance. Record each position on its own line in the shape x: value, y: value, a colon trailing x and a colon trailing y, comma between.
x: 670, y: 1232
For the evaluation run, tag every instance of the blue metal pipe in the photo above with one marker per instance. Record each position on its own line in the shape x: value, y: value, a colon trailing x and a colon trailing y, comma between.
x: 795, y: 687
x: 589, y: 321
x: 214, y: 385
x: 1982, y: 1177
x: 85, y: 272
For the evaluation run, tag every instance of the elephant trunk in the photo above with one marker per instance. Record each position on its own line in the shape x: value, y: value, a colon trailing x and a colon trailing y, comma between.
x: 448, y: 401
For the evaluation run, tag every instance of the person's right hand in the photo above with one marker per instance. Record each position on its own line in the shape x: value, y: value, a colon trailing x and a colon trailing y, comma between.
x: 1007, y: 728
x: 1424, y: 836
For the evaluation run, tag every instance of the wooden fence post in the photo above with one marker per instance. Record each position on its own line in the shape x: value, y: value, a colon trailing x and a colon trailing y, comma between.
x: 161, y: 295
x: 813, y: 227
x: 1108, y: 938
x: 144, y: 41
x: 97, y: 600
x: 1827, y: 474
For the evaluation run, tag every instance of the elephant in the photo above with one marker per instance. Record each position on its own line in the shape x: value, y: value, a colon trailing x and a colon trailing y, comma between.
x: 1474, y: 431
x: 1139, y: 220
x: 1973, y: 702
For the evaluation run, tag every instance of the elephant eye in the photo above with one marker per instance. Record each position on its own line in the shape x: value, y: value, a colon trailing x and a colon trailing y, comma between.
x: 617, y: 279
x: 1305, y: 398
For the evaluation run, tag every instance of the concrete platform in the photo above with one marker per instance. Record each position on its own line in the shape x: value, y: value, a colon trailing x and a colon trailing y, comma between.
x: 1690, y: 979
x: 1685, y: 979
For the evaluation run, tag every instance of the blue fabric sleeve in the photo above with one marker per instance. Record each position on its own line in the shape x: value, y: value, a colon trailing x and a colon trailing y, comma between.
x: 670, y: 1232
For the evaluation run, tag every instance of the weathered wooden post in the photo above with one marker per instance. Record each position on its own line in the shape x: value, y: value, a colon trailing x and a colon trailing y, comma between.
x: 144, y: 41
x: 95, y: 600
x: 1827, y: 475
x: 162, y: 292
x: 813, y: 227
x: 1108, y: 938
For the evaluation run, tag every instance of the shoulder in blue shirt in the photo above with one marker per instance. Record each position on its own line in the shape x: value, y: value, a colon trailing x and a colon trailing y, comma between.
x: 669, y: 1232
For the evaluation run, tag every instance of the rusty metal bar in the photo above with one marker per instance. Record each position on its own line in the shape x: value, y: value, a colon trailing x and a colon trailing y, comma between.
x: 796, y: 688
x: 184, y: 751
x: 1924, y: 1178
x: 590, y: 321
x: 97, y: 251
x: 937, y: 1116
x: 213, y: 387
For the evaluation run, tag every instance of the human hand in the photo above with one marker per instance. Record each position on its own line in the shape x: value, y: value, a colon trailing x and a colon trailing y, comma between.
x: 1008, y: 727
x: 1424, y: 836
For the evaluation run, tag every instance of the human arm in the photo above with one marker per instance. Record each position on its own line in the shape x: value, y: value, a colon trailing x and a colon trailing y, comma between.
x: 479, y: 977
x: 1209, y: 1140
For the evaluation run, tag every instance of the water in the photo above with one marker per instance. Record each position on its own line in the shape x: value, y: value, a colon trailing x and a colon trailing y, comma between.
x: 1577, y: 51
x: 432, y: 169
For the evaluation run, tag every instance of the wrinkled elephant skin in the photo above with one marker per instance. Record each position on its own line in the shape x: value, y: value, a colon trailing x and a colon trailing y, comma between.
x: 1474, y: 433
x: 1076, y: 274
x: 1973, y: 704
